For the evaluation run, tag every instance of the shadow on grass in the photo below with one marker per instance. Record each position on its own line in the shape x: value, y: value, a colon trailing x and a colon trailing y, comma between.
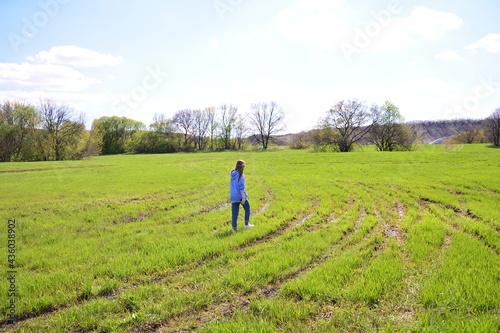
x: 493, y: 146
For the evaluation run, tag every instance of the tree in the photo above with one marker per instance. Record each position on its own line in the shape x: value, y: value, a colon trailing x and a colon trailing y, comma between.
x: 17, y: 126
x: 211, y: 115
x: 115, y: 132
x: 473, y: 135
x: 61, y: 132
x: 240, y: 128
x: 201, y: 126
x: 185, y: 122
x: 48, y: 132
x: 492, y: 127
x: 388, y: 131
x: 325, y: 138
x: 267, y: 119
x: 159, y: 139
x: 301, y: 140
x: 228, y: 114
x: 162, y: 125
x: 93, y: 143
x: 349, y: 120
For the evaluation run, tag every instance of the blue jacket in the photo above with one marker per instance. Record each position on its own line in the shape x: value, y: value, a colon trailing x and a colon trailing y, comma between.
x: 236, y: 186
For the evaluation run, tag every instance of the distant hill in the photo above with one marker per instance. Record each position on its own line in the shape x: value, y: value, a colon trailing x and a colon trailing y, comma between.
x: 431, y: 131
x: 436, y: 132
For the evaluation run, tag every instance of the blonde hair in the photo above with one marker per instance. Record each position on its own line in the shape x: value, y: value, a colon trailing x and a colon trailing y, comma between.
x: 240, y: 165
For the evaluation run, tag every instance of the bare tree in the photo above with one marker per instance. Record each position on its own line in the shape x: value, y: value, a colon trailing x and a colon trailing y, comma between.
x: 228, y: 119
x: 492, y: 127
x: 184, y: 121
x: 267, y: 119
x: 162, y: 125
x: 211, y: 115
x: 240, y: 130
x: 349, y: 119
x: 60, y: 130
x: 201, y: 125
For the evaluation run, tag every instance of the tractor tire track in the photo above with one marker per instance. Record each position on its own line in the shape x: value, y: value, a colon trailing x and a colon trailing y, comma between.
x: 80, y: 299
x: 227, y: 308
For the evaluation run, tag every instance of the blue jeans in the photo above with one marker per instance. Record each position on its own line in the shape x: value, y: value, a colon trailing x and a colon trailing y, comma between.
x: 236, y: 211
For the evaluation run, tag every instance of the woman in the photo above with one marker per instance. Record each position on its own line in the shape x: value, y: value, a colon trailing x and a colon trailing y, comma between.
x: 238, y: 194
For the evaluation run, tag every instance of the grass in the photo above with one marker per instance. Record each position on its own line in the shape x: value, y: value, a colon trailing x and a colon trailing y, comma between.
x: 358, y: 242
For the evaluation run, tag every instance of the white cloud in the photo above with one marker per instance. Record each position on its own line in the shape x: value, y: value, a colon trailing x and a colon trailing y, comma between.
x: 449, y: 55
x: 45, y: 77
x: 51, y: 71
x: 489, y: 43
x: 76, y: 56
x: 317, y: 23
x: 325, y: 25
x: 403, y: 31
x: 431, y: 23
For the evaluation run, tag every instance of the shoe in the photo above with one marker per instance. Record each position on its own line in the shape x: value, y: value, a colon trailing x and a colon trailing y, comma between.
x: 249, y: 226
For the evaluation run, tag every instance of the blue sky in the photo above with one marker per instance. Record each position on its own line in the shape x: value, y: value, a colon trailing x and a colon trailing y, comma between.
x: 433, y: 59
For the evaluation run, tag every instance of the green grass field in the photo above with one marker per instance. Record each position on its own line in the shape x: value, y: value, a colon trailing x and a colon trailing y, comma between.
x: 356, y: 242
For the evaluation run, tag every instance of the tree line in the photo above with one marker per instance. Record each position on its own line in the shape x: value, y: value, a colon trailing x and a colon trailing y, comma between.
x: 47, y: 132
x: 53, y: 131
x: 488, y: 132
x: 352, y: 122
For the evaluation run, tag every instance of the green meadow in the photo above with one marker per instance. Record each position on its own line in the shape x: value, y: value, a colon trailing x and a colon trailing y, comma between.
x: 343, y: 242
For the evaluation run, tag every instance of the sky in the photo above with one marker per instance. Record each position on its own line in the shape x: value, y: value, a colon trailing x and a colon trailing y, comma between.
x: 435, y: 60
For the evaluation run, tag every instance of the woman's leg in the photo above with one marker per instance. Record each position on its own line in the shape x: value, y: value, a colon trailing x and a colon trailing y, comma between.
x: 246, y: 206
x: 236, y: 211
